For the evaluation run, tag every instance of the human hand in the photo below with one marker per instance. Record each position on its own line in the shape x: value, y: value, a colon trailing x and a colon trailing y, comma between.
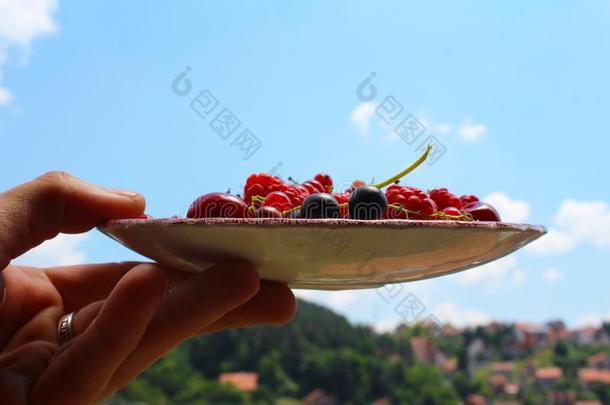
x: 127, y: 314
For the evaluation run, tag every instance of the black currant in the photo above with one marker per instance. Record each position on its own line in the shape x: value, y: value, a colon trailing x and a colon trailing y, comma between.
x: 367, y: 202
x: 320, y: 205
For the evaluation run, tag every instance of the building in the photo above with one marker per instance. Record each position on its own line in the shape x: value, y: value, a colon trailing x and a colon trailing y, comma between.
x: 585, y: 336
x: 547, y: 377
x: 505, y: 368
x: 319, y: 397
x: 422, y: 349
x: 600, y: 361
x: 588, y: 376
x: 497, y: 383
x: 561, y: 398
x: 242, y: 381
x: 475, y: 399
x: 532, y: 336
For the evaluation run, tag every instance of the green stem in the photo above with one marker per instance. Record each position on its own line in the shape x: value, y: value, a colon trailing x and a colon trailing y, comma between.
x: 409, y: 169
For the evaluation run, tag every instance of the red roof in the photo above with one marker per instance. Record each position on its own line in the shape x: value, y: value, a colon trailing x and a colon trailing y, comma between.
x: 545, y: 373
x: 498, y: 380
x: 247, y: 382
x: 476, y: 399
x: 590, y: 375
x: 597, y: 358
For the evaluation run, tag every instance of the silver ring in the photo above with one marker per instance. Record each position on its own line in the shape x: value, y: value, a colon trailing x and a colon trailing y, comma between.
x: 65, y: 328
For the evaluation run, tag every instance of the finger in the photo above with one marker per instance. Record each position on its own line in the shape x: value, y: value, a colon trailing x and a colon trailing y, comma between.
x: 20, y: 368
x: 186, y: 308
x: 81, y: 285
x: 76, y: 375
x: 57, y: 202
x: 273, y: 305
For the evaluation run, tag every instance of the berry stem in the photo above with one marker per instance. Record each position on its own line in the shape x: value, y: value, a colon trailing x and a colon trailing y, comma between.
x: 409, y: 169
x: 291, y: 210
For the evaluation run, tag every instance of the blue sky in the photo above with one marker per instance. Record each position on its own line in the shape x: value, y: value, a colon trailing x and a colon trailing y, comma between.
x: 518, y: 94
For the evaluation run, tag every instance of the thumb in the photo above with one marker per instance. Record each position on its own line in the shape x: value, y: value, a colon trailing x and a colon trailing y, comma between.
x: 57, y: 202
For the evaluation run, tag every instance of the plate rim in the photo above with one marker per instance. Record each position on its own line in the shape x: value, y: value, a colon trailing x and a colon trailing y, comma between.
x: 326, y: 222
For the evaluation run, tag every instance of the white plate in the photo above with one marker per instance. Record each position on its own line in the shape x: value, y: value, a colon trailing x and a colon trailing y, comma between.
x: 325, y: 254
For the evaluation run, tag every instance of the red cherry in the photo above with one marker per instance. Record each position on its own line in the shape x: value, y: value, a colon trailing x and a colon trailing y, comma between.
x: 279, y: 200
x: 267, y: 212
x: 481, y: 211
x: 218, y: 205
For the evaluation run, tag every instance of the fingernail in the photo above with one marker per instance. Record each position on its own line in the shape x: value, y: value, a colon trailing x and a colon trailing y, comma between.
x: 125, y: 193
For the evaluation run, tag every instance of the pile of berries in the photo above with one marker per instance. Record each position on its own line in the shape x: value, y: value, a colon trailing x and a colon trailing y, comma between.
x: 267, y: 196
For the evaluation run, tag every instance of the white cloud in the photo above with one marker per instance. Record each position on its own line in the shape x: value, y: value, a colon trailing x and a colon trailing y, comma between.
x: 62, y: 250
x: 502, y: 273
x: 586, y: 221
x: 442, y: 129
x: 387, y: 325
x: 362, y: 115
x: 337, y: 300
x: 449, y: 312
x: 470, y: 131
x: 591, y: 320
x: 21, y: 21
x: 510, y: 210
x: 552, y: 275
x: 576, y: 222
x: 553, y: 242
x: 343, y: 299
x: 5, y: 96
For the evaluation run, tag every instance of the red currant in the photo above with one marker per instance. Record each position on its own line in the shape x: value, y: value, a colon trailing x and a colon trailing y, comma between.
x: 452, y: 211
x: 325, y: 180
x: 467, y: 199
x: 278, y: 200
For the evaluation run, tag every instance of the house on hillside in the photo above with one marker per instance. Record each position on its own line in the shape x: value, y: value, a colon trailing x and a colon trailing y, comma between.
x: 246, y: 382
x: 600, y: 361
x: 588, y: 376
x: 557, y: 330
x: 422, y: 349
x: 498, y: 383
x: 477, y: 354
x: 531, y: 336
x: 319, y: 397
x: 584, y: 336
x: 475, y: 399
x: 547, y: 377
x: 505, y: 368
x: 561, y: 397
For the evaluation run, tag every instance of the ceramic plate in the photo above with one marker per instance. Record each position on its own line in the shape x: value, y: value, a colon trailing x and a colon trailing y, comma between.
x: 325, y: 254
